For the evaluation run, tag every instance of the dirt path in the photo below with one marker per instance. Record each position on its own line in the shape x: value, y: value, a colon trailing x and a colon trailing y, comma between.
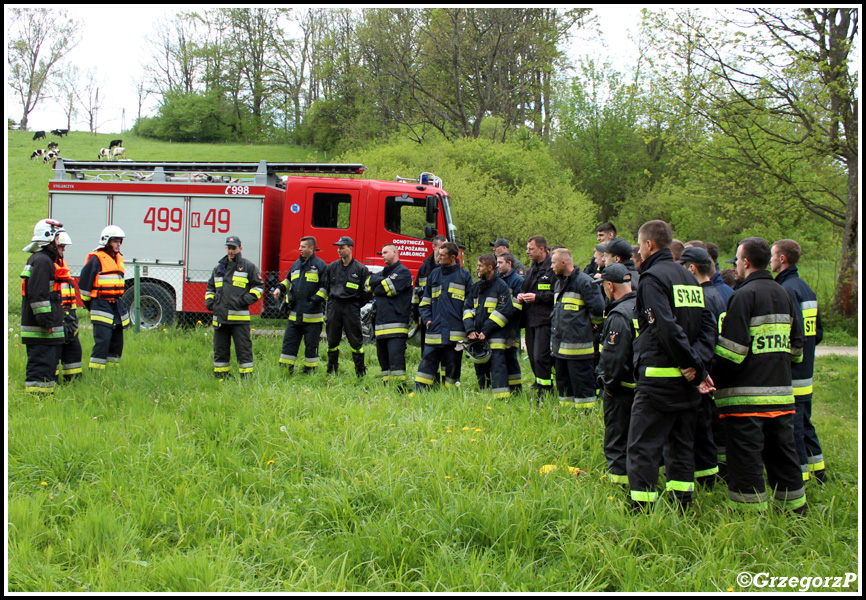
x: 838, y: 350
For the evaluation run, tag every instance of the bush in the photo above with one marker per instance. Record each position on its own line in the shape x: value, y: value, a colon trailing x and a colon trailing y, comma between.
x: 511, y: 189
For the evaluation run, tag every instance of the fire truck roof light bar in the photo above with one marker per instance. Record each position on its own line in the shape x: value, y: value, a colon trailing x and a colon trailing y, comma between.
x: 213, y: 167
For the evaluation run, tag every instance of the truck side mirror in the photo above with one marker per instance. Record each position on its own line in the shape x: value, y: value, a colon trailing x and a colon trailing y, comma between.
x: 432, y: 210
x: 429, y: 232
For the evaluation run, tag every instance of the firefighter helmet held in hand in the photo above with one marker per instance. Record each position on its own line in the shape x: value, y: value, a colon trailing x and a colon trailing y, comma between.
x: 112, y: 231
x: 478, y: 350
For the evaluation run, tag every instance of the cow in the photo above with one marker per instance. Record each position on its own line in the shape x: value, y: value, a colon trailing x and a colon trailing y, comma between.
x: 59, y: 132
x: 119, y: 151
x: 38, y: 135
x: 52, y: 145
x: 52, y: 154
x: 38, y: 153
x: 115, y: 143
x: 103, y: 153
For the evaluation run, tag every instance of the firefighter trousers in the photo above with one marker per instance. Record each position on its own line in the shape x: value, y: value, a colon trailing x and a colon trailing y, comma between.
x: 575, y: 382
x: 617, y: 416
x: 223, y: 335
x: 540, y: 358
x: 494, y: 374
x: 107, y: 345
x: 391, y: 353
x: 70, y: 358
x: 40, y: 375
x: 806, y: 438
x: 311, y: 334
x: 755, y: 443
x: 445, y: 355
x: 344, y: 317
x: 512, y: 365
x: 655, y: 434
x: 706, y: 453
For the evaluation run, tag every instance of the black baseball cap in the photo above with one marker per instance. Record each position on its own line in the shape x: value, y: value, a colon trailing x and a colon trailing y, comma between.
x: 619, y: 247
x: 345, y: 241
x: 500, y: 242
x: 696, y: 256
x: 233, y: 240
x: 616, y: 273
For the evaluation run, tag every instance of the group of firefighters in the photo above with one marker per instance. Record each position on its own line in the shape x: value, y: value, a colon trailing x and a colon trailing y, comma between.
x: 693, y: 375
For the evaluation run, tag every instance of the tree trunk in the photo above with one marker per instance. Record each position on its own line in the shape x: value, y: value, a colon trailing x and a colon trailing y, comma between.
x: 845, y: 300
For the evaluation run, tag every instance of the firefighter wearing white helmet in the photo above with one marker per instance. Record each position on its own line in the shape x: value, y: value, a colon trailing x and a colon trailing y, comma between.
x: 70, y: 351
x: 41, y: 310
x: 102, y: 285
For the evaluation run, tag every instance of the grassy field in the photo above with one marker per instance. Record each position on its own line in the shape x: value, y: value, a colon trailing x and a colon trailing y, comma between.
x: 157, y: 477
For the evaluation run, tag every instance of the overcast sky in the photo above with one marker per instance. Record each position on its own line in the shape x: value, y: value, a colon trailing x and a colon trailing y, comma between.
x: 113, y: 43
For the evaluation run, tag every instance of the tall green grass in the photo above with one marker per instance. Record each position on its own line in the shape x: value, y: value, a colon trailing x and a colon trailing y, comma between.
x: 157, y: 477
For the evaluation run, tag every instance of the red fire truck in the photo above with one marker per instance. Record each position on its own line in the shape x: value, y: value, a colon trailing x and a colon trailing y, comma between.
x: 177, y: 216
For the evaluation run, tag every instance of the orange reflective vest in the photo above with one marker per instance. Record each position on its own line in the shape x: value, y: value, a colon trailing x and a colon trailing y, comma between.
x: 109, y: 282
x: 63, y: 280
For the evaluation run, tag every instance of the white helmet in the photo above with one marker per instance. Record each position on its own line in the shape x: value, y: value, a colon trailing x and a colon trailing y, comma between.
x: 112, y: 231
x: 44, y: 233
x: 64, y: 239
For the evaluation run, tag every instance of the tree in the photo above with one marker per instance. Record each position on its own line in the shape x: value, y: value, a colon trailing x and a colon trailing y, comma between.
x: 783, y: 95
x: 39, y: 38
x: 598, y: 139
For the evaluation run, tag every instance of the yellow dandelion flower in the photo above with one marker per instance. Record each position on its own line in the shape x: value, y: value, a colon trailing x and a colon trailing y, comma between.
x: 447, y: 431
x: 270, y: 462
x: 44, y: 483
x: 411, y: 395
x: 433, y: 441
x: 547, y: 469
x: 465, y: 429
x: 489, y: 408
x: 391, y: 425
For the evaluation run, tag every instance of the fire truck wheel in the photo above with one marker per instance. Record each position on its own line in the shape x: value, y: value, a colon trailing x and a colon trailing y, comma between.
x: 157, y: 306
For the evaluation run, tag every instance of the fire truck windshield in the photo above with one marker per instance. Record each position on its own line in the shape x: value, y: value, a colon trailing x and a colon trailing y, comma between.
x: 451, y: 232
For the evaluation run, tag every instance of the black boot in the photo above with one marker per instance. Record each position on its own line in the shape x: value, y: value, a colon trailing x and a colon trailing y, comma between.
x: 333, y: 359
x: 360, y: 368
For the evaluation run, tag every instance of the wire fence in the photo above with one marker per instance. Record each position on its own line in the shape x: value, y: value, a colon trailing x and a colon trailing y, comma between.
x: 163, y: 296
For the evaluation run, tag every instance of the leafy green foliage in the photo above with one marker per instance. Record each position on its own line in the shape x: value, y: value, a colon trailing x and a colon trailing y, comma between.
x: 512, y: 189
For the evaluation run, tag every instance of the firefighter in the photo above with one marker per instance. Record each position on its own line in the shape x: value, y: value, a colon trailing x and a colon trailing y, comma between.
x: 304, y: 289
x: 505, y: 263
x: 785, y: 254
x: 344, y: 282
x: 102, y: 285
x: 577, y: 304
x: 604, y: 233
x: 700, y: 264
x: 441, y: 310
x: 620, y: 251
x: 615, y: 376
x: 392, y: 290
x: 41, y: 308
x: 427, y: 266
x: 670, y: 375
x: 70, y: 352
x: 500, y: 247
x: 536, y: 296
x: 487, y: 317
x: 762, y: 334
x: 234, y: 285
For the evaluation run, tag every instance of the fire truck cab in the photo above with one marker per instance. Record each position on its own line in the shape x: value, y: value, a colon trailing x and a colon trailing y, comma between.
x: 177, y: 216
